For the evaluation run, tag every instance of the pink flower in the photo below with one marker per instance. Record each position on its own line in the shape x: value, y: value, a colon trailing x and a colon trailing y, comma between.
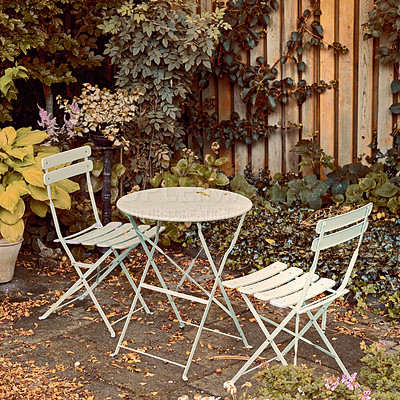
x: 380, y: 345
x: 366, y: 395
x: 332, y: 383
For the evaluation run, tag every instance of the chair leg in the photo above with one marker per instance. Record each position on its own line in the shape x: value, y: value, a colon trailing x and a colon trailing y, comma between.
x: 58, y: 304
x: 96, y: 303
x: 329, y: 346
x: 269, y: 341
x: 296, y: 338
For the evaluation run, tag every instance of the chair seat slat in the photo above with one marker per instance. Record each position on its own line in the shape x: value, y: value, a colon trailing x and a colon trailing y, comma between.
x: 135, y: 240
x: 95, y: 234
x: 277, y: 280
x: 117, y: 237
x: 255, y: 277
x: 286, y: 289
x: 116, y: 232
x: 315, y: 289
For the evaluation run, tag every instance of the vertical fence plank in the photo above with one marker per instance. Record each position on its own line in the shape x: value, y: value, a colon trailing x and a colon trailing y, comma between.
x: 308, y: 108
x: 326, y: 119
x: 258, y: 154
x: 275, y: 145
x: 240, y: 148
x: 291, y: 113
x: 210, y: 91
x: 346, y: 76
x: 224, y: 111
x: 385, y: 100
x: 365, y: 85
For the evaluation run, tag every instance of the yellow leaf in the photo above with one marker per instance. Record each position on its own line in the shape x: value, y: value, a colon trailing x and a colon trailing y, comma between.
x: 9, y: 198
x: 61, y: 199
x: 33, y: 176
x: 40, y: 208
x: 142, y: 383
x: 11, y: 134
x: 38, y: 193
x: 270, y: 241
x: 3, y: 138
x: 29, y: 138
x: 68, y: 185
x: 12, y: 232
x: 11, y: 218
x: 69, y: 352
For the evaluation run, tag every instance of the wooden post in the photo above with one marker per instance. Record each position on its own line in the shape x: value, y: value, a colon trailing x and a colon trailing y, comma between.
x: 365, y: 85
x: 346, y: 79
x: 275, y: 145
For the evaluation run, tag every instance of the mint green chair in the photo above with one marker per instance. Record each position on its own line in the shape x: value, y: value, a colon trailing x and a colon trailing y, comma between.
x: 114, y: 236
x: 299, y: 293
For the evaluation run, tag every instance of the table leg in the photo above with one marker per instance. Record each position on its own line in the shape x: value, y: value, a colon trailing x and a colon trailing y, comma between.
x: 217, y: 283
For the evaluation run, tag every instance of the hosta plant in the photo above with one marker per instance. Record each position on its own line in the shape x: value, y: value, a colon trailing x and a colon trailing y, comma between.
x: 21, y: 180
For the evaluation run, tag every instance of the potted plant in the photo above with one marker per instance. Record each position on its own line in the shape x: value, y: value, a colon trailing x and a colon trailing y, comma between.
x: 97, y: 113
x: 22, y: 189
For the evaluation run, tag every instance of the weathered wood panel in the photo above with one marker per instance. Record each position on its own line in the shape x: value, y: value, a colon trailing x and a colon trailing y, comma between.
x: 326, y: 70
x: 346, y: 83
x: 365, y: 85
x: 258, y: 154
x: 275, y: 142
x: 345, y: 117
x: 290, y: 110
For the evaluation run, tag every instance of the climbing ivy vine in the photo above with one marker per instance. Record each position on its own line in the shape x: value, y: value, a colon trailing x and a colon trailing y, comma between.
x: 261, y: 89
x: 384, y: 22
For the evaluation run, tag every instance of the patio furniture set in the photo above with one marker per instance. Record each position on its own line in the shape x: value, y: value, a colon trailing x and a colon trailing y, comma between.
x: 289, y: 288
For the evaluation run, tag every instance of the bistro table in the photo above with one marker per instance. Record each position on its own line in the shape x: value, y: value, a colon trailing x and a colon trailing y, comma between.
x: 184, y: 204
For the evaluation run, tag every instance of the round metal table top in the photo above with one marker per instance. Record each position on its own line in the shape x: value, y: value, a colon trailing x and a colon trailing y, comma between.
x: 184, y: 204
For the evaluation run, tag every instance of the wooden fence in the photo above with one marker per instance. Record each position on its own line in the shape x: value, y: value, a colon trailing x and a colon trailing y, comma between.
x: 345, y: 118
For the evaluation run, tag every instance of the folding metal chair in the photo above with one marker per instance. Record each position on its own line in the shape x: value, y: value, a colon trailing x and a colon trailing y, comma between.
x: 114, y: 236
x: 300, y: 293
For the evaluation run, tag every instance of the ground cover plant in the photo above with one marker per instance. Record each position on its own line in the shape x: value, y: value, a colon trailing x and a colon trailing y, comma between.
x: 377, y: 380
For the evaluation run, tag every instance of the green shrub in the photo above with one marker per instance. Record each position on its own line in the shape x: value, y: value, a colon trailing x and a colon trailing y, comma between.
x: 378, y: 380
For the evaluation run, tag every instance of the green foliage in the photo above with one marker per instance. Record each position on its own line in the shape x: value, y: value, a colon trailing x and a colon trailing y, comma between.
x: 8, y: 90
x: 382, y: 371
x: 39, y: 36
x: 157, y: 48
x: 309, y: 190
x: 21, y: 178
x: 188, y: 171
x: 378, y: 380
x: 384, y: 22
x: 312, y: 156
x: 117, y: 171
x: 339, y: 180
x: 375, y: 187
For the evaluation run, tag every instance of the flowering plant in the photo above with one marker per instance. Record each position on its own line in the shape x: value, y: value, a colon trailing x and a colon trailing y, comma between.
x: 95, y: 110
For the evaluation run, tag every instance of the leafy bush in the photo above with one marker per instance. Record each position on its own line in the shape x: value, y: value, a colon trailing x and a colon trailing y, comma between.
x: 378, y: 380
x: 157, y: 48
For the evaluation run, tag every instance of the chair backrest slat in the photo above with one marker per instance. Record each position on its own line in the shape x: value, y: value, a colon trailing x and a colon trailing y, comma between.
x: 67, y: 172
x: 342, y: 236
x: 340, y: 221
x: 66, y: 157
